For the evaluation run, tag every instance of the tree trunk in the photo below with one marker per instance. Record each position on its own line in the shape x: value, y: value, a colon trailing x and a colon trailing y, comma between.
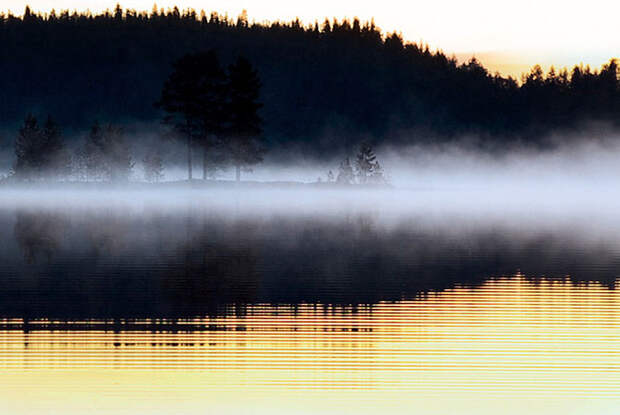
x: 238, y: 172
x: 189, y: 157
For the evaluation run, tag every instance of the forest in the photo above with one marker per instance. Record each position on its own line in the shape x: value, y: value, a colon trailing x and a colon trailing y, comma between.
x: 325, y: 86
x: 210, y: 108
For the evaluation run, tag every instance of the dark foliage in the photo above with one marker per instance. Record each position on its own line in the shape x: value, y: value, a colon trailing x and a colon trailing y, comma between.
x: 326, y: 87
x: 216, y: 109
x: 40, y: 153
x: 194, y: 99
x: 244, y: 123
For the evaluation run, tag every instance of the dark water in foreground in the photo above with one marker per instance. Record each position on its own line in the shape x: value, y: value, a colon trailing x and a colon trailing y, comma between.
x: 119, y: 309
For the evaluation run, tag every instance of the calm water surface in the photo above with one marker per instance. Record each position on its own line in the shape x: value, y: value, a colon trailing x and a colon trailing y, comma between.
x: 200, y: 310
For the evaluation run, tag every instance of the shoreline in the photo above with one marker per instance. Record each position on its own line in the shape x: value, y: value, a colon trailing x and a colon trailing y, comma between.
x: 194, y: 184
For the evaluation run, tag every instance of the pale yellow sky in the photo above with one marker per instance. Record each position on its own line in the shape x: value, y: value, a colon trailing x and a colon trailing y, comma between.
x: 505, y: 34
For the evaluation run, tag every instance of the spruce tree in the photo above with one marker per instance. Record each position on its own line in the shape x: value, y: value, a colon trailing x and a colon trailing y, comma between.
x: 365, y: 163
x: 56, y: 158
x: 212, y: 95
x: 29, y: 150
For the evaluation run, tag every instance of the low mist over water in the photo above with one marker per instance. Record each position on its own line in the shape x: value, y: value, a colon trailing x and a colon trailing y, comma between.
x: 193, y: 252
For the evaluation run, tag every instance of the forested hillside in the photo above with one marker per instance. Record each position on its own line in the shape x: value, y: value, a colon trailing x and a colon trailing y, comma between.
x: 328, y: 85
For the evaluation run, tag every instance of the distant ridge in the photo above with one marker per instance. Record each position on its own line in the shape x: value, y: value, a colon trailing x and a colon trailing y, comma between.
x: 325, y: 87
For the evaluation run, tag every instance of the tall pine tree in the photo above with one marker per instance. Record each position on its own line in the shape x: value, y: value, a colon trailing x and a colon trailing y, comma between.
x: 28, y: 150
x: 56, y: 158
x: 244, y: 122
x: 193, y: 98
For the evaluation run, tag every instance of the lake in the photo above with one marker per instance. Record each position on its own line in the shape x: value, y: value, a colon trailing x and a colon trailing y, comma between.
x: 307, y: 302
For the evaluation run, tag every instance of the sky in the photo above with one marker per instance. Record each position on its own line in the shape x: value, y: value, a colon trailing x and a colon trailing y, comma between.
x: 505, y: 35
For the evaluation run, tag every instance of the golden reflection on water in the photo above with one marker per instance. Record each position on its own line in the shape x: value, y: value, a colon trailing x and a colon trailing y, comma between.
x: 550, y: 346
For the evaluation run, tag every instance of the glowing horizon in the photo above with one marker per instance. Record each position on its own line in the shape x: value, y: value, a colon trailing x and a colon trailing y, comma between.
x: 505, y: 38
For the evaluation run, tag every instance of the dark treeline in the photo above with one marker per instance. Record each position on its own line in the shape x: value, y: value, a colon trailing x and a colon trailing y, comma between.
x: 328, y: 85
x: 208, y: 107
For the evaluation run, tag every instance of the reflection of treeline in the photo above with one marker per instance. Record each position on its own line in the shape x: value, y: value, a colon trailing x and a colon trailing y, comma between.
x: 116, y: 265
x: 343, y: 80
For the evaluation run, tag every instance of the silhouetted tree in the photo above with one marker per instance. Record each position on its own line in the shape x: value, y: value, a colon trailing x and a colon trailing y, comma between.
x: 93, y: 153
x: 29, y: 150
x: 212, y: 98
x: 40, y: 153
x: 56, y: 158
x: 244, y: 122
x: 367, y: 167
x: 177, y: 99
x: 365, y: 162
x: 194, y: 99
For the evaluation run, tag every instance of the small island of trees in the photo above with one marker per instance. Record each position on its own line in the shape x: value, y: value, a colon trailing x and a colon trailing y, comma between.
x: 206, y: 106
x: 364, y: 170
